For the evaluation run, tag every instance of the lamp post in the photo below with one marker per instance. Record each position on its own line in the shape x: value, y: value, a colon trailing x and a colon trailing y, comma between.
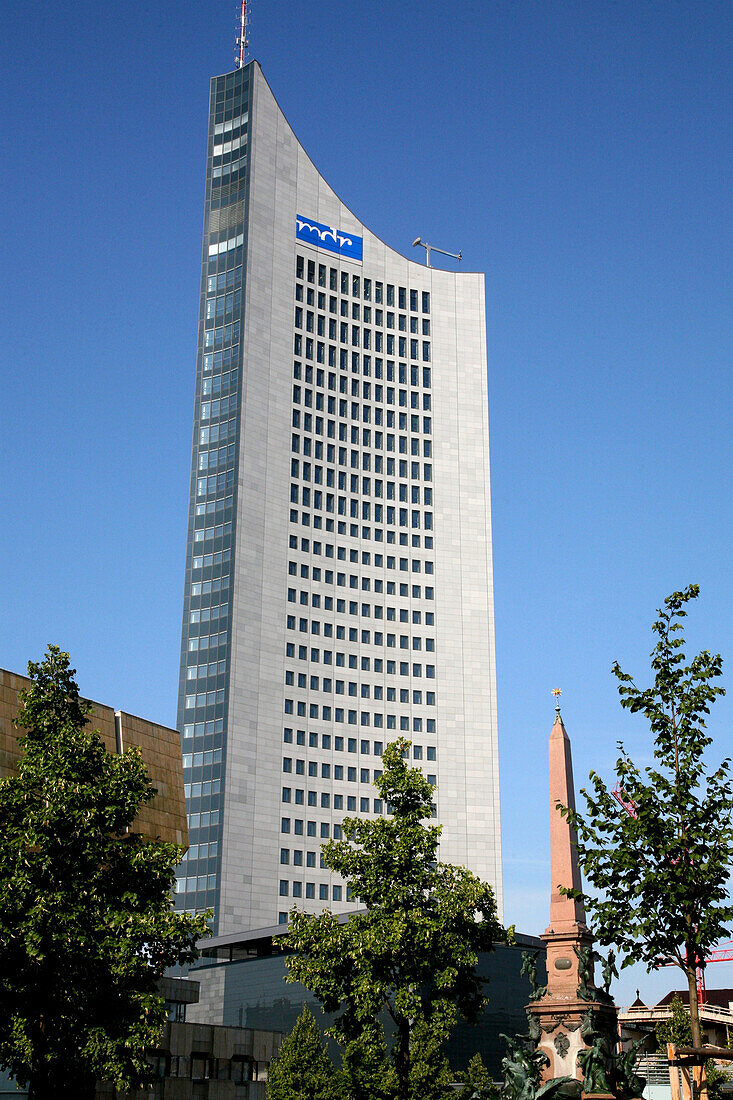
x: 432, y: 248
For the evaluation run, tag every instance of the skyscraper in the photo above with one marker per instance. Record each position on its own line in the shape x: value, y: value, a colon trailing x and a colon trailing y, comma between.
x: 338, y: 589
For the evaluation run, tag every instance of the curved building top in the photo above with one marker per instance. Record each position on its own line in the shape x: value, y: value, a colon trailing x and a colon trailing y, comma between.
x: 339, y: 588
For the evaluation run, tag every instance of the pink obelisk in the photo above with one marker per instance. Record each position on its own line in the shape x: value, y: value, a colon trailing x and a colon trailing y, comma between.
x: 559, y: 1013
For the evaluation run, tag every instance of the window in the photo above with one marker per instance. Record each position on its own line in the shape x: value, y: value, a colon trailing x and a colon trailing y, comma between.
x: 200, y: 1067
x: 240, y: 1068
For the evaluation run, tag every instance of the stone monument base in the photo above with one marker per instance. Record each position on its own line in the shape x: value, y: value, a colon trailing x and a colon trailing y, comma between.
x: 558, y: 1026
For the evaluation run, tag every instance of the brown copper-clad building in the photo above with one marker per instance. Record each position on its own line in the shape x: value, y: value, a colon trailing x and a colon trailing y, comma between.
x: 165, y: 816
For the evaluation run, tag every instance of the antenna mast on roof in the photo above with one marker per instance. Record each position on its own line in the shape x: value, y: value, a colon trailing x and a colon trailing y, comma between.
x: 242, y: 40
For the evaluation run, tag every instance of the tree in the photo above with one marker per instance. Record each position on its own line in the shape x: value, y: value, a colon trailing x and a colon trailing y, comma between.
x: 662, y: 870
x: 677, y: 1030
x: 302, y: 1070
x: 412, y: 954
x: 477, y: 1083
x: 86, y: 923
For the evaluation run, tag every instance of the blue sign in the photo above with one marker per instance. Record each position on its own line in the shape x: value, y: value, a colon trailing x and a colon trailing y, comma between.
x: 330, y: 238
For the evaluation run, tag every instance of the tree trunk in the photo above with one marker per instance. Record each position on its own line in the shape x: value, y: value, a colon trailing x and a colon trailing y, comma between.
x: 694, y: 1010
x: 402, y: 1060
x: 43, y: 1088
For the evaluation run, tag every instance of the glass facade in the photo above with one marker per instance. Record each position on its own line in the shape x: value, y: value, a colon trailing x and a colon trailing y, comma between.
x: 243, y: 985
x: 207, y: 608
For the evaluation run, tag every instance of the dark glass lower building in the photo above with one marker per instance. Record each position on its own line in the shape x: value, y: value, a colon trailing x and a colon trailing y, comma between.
x: 242, y: 984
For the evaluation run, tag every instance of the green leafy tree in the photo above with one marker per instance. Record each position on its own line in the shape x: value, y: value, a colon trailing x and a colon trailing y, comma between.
x: 86, y: 923
x: 662, y: 871
x: 366, y: 1072
x: 477, y: 1083
x: 677, y: 1028
x: 302, y: 1070
x: 412, y: 954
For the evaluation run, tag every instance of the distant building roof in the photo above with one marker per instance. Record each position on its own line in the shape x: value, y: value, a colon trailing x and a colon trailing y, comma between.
x: 720, y: 997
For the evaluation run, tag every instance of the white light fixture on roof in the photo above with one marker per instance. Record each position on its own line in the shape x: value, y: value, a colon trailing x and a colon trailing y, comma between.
x: 432, y: 248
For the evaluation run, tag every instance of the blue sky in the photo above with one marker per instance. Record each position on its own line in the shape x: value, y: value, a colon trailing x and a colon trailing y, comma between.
x: 579, y: 153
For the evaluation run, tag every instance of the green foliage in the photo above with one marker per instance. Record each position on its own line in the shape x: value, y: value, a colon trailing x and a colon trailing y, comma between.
x: 717, y: 1080
x: 662, y: 872
x: 477, y: 1084
x: 413, y: 953
x: 86, y: 924
x: 677, y: 1028
x: 302, y: 1069
x: 366, y: 1073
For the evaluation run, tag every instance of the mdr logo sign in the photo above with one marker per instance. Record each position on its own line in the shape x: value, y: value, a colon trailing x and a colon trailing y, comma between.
x: 330, y: 238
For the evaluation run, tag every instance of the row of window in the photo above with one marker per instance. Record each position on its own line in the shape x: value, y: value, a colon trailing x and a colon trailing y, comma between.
x: 205, y: 588
x: 200, y: 1067
x: 196, y: 882
x: 316, y: 322
x: 219, y: 383
x: 210, y: 614
x: 213, y: 668
x: 383, y: 394
x: 365, y: 534
x: 315, y: 350
x: 381, y: 514
x: 360, y: 338
x: 414, y: 591
x: 229, y: 147
x: 223, y: 130
x: 342, y: 687
x: 221, y: 307
x: 203, y: 820
x: 229, y: 173
x: 365, y: 746
x: 365, y: 365
x: 202, y: 790
x: 201, y: 759
x: 322, y: 829
x: 381, y: 441
x: 355, y: 284
x: 337, y: 892
x: 366, y: 637
x: 359, y: 486
x: 224, y: 280
x: 226, y: 244
x: 311, y: 798
x: 203, y: 729
x: 368, y: 390
x: 211, y: 410
x: 219, y: 557
x: 217, y: 433
x: 327, y: 549
x: 313, y: 448
x: 391, y: 562
x: 204, y: 699
x: 354, y: 718
x: 353, y: 661
x: 204, y: 534
x: 327, y: 771
x: 206, y: 641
